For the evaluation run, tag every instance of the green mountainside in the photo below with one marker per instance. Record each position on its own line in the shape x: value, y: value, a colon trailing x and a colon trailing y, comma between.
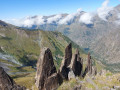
x: 21, y: 47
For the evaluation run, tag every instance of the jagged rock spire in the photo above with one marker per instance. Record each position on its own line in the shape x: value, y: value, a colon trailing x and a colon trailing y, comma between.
x: 89, y: 64
x: 88, y: 68
x: 66, y: 62
x: 45, y: 68
x: 76, y: 64
x: 68, y: 55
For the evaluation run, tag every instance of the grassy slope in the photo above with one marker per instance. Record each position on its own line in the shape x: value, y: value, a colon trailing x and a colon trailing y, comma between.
x: 24, y: 45
x: 107, y: 80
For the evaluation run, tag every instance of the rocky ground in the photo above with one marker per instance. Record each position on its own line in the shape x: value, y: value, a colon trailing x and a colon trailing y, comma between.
x: 106, y: 81
x: 73, y: 74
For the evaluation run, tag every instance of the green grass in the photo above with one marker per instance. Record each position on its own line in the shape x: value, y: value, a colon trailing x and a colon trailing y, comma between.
x: 27, y: 80
x: 23, y: 43
x: 67, y: 85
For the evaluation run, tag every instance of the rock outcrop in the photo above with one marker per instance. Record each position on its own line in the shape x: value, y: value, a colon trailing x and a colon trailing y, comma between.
x: 91, y: 70
x: 77, y: 87
x: 71, y: 75
x: 89, y: 64
x: 47, y: 76
x: 71, y: 63
x: 85, y: 72
x: 76, y: 64
x: 53, y: 82
x: 94, y: 71
x: 68, y: 55
x: 66, y: 62
x: 7, y: 83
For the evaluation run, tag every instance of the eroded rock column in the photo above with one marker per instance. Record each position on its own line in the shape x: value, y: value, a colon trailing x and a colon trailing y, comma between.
x: 76, y: 64
x: 45, y: 68
x: 66, y: 62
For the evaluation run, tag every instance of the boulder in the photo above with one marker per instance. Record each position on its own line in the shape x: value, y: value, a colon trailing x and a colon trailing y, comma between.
x: 118, y: 79
x: 77, y: 87
x: 53, y: 81
x: 66, y: 62
x: 7, y: 83
x: 45, y: 68
x: 71, y: 75
x: 116, y: 87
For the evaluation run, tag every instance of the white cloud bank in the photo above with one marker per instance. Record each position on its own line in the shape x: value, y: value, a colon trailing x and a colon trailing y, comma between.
x: 27, y: 21
x: 55, y: 19
x: 86, y: 18
x: 118, y: 19
x: 104, y: 10
x: 69, y: 18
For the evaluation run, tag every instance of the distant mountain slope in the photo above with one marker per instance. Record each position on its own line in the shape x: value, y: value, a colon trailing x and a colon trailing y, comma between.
x: 86, y: 35
x: 108, y: 47
x: 21, y: 46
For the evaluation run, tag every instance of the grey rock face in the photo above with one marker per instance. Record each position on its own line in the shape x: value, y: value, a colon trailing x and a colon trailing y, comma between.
x: 70, y: 63
x: 7, y: 83
x: 85, y: 72
x: 47, y: 77
x: 71, y: 75
x: 66, y: 62
x: 94, y: 71
x: 45, y: 67
x: 5, y: 79
x: 89, y: 64
x: 77, y: 87
x: 88, y: 68
x: 68, y: 55
x: 76, y: 64
x: 53, y: 82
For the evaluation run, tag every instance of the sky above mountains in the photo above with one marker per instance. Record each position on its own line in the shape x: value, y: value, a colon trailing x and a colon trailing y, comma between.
x: 20, y: 8
x: 87, y: 17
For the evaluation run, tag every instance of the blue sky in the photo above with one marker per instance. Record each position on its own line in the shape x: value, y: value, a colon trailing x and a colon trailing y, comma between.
x: 21, y: 8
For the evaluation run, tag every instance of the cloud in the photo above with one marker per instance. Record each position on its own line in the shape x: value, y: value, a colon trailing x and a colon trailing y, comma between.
x: 118, y: 19
x: 53, y: 19
x: 104, y: 10
x: 86, y: 18
x: 118, y: 15
x: 69, y: 18
x: 39, y: 20
x: 27, y: 21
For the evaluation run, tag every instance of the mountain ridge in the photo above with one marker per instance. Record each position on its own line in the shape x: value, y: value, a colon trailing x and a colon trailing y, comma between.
x: 23, y: 46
